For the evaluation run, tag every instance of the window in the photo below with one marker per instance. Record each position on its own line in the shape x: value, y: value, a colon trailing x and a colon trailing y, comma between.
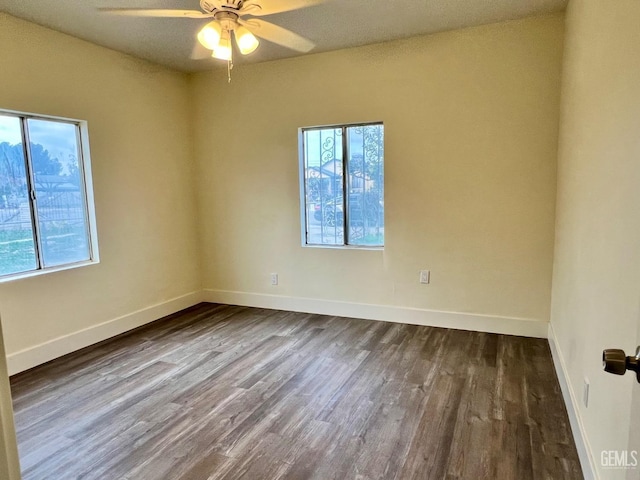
x: 342, y: 185
x: 46, y: 213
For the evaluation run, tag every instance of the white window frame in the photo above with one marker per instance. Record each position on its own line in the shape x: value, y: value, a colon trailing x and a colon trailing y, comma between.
x: 303, y: 192
x: 84, y: 167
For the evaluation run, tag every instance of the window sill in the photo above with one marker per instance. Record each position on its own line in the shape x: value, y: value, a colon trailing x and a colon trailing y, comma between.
x: 36, y: 273
x: 345, y: 247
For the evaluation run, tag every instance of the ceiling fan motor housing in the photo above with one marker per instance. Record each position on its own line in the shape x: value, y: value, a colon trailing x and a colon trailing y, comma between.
x: 210, y: 6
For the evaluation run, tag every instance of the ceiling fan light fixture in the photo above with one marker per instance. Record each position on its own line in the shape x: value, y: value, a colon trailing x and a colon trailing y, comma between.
x: 247, y: 42
x: 223, y: 50
x: 210, y: 35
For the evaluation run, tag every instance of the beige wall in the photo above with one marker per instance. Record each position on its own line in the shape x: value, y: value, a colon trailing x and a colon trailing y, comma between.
x: 471, y: 122
x: 596, y: 283
x: 471, y: 132
x: 141, y: 150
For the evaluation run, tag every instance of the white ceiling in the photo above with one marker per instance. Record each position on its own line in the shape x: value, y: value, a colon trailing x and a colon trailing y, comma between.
x: 333, y: 25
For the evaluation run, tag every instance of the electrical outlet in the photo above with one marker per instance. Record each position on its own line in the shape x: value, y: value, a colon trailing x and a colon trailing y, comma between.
x: 585, y: 392
x: 425, y: 276
x: 274, y: 279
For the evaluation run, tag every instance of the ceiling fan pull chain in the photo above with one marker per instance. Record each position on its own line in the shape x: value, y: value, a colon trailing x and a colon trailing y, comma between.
x: 229, y: 67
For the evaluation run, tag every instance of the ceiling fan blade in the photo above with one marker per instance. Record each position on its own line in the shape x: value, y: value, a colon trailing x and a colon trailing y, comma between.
x: 269, y: 7
x: 279, y: 35
x: 155, y: 12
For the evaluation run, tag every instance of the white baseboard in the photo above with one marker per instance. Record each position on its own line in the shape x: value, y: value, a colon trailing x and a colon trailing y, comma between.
x: 33, y: 356
x: 414, y: 316
x: 30, y: 357
x: 577, y: 427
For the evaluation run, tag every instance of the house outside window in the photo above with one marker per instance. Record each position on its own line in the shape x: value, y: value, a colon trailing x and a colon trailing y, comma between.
x: 342, y: 185
x: 47, y: 218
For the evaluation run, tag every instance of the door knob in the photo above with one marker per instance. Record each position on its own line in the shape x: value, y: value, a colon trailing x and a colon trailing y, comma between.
x: 617, y: 362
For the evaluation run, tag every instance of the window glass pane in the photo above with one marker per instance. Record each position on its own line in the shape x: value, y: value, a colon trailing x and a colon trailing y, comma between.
x: 365, y: 184
x: 17, y: 251
x: 323, y: 186
x: 59, y: 192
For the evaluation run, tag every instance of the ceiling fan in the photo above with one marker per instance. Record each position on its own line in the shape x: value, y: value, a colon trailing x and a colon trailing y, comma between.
x: 227, y: 18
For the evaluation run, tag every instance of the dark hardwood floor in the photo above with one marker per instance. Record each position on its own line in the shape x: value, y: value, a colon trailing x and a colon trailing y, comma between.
x: 223, y: 392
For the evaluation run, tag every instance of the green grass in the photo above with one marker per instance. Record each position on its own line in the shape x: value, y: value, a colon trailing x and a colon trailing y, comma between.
x: 61, y: 244
x: 17, y: 253
x: 13, y: 234
x: 374, y: 239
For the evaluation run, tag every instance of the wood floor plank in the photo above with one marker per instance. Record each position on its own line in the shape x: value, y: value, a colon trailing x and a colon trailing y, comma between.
x: 220, y: 392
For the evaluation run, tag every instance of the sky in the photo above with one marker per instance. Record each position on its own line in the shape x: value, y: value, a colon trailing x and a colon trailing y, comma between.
x: 58, y: 138
x: 314, y: 138
x: 10, y: 130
